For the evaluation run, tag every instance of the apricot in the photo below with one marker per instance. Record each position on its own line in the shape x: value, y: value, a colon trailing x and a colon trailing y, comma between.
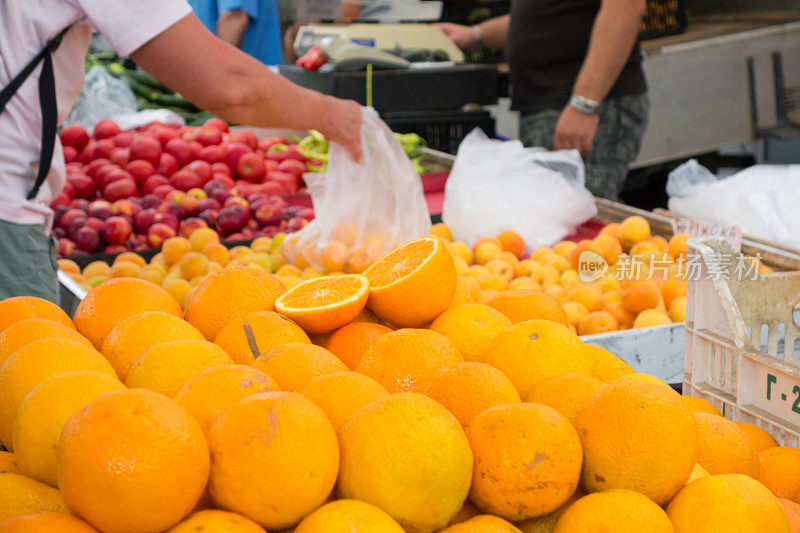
x: 632, y: 230
x: 511, y: 241
x: 597, y: 322
x: 651, y: 317
x: 623, y: 317
x: 486, y: 251
x: 575, y: 312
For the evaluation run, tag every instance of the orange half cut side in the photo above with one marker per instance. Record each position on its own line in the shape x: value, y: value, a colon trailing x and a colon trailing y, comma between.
x: 322, y: 305
x: 413, y: 284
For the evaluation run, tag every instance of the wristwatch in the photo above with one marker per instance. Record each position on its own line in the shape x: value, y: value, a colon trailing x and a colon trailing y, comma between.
x: 584, y: 105
x: 478, y: 36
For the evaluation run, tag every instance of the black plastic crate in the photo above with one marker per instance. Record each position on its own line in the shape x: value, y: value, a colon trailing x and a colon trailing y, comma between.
x: 442, y: 130
x: 662, y: 18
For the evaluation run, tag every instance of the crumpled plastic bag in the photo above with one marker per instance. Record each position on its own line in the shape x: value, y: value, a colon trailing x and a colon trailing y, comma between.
x: 104, y: 96
x: 762, y: 200
x: 496, y: 186
x: 362, y: 210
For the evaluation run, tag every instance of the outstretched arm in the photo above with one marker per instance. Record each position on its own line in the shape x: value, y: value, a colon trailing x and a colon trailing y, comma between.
x: 613, y: 37
x: 493, y: 32
x: 222, y: 79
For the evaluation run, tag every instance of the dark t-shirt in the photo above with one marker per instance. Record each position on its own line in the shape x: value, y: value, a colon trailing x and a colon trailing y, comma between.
x: 547, y: 43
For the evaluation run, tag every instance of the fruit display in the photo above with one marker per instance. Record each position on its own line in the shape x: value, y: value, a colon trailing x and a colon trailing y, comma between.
x: 386, y: 400
x: 133, y: 189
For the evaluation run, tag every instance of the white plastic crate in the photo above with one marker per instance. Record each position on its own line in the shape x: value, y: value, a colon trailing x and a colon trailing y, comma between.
x: 742, y: 341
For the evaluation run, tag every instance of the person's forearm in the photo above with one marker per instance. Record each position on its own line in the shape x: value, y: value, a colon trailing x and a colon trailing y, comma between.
x: 613, y: 37
x: 494, y: 32
x: 228, y: 82
x: 262, y: 98
x: 231, y: 26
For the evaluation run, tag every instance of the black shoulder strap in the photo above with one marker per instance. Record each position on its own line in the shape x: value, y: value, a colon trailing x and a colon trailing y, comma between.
x: 47, y: 104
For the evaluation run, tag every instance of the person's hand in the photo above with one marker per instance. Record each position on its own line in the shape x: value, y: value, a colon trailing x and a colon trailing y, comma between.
x: 575, y: 131
x: 463, y: 36
x: 343, y: 125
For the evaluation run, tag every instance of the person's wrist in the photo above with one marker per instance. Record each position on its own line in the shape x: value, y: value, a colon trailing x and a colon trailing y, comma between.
x: 583, y: 105
x: 478, y: 36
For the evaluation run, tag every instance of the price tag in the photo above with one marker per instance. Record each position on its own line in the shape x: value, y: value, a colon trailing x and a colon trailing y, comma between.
x: 695, y: 228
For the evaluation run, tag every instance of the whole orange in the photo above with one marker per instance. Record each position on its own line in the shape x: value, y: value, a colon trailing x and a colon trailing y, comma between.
x: 21, y: 496
x: 617, y: 510
x: 213, y: 390
x: 231, y: 293
x: 484, y: 522
x: 468, y: 389
x: 274, y: 458
x: 114, y: 300
x: 421, y: 483
x: 607, y: 366
x: 167, y: 367
x: 19, y: 308
x: 527, y: 460
x: 132, y: 460
x: 471, y: 327
x: 293, y: 365
x: 637, y: 436
x: 761, y: 439
x: 723, y: 447
x: 32, y: 364
x: 729, y: 502
x: 341, y: 394
x: 29, y: 330
x: 779, y: 471
x: 348, y: 516
x: 48, y: 521
x: 248, y: 337
x: 551, y: 393
x: 792, y: 511
x: 135, y: 335
x: 216, y: 521
x: 349, y: 342
x: 520, y: 305
x: 536, y: 350
x: 404, y: 360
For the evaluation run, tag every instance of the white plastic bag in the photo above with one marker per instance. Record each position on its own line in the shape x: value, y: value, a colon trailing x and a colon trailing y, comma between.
x: 364, y: 209
x: 104, y: 96
x: 496, y: 186
x: 762, y: 200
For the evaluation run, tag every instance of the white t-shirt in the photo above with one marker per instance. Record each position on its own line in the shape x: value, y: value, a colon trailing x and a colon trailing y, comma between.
x: 25, y: 27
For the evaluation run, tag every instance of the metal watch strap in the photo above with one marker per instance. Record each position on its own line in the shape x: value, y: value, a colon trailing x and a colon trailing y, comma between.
x: 584, y: 105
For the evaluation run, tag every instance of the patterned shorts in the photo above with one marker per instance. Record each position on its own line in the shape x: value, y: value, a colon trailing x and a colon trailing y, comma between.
x: 616, y: 143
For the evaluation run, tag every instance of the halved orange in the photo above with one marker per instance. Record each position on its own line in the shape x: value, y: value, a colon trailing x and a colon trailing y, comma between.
x: 322, y: 305
x: 413, y: 284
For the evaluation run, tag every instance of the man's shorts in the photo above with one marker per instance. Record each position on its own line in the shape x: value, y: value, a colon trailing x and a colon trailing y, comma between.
x: 616, y: 143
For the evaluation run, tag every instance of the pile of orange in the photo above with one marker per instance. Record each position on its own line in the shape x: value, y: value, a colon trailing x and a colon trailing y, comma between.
x: 367, y: 403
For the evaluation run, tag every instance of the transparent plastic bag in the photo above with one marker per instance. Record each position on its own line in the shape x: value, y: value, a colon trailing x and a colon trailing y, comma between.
x: 103, y: 96
x: 364, y: 209
x: 496, y: 186
x: 762, y: 200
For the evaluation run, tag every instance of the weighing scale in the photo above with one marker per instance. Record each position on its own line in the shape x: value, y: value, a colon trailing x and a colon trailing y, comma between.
x: 378, y: 37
